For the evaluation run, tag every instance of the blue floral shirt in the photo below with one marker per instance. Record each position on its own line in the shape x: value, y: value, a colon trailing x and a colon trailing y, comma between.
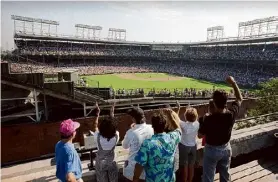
x: 156, y: 155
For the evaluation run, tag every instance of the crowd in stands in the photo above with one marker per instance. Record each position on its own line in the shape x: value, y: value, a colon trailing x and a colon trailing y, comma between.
x: 211, y: 71
x: 163, y: 151
x: 254, y: 52
x: 250, y: 64
x: 187, y: 92
x: 83, y: 69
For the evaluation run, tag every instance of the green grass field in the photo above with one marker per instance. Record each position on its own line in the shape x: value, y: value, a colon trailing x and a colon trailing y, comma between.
x: 149, y: 81
x: 153, y: 75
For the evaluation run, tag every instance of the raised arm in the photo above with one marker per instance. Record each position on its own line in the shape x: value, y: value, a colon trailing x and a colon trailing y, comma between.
x: 202, y: 127
x: 112, y: 110
x: 178, y: 107
x: 235, y: 105
x: 128, y: 139
x: 232, y: 82
x: 95, y: 125
x: 173, y: 121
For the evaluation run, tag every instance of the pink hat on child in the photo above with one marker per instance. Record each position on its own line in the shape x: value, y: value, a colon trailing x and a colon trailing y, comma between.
x: 68, y: 127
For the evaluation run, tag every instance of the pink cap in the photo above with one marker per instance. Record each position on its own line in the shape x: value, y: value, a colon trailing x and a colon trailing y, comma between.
x: 68, y: 127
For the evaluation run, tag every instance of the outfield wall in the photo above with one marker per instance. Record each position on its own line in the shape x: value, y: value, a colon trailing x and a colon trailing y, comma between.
x: 34, y: 140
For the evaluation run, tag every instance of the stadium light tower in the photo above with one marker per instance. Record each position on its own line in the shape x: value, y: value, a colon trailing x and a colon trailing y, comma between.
x: 215, y: 33
x: 34, y: 26
x: 258, y: 27
x: 116, y: 34
x: 91, y: 31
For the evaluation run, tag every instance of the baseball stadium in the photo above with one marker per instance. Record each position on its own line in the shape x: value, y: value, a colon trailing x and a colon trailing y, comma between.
x: 155, y: 68
x: 50, y: 77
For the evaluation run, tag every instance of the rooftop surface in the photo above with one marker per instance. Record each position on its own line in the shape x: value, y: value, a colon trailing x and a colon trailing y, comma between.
x: 262, y: 170
x: 44, y: 170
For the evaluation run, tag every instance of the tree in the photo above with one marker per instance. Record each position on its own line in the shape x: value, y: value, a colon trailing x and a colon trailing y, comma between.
x: 268, y: 98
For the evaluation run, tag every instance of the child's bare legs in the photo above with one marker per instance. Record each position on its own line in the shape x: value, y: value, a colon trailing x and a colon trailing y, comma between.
x: 191, y: 173
x: 185, y: 172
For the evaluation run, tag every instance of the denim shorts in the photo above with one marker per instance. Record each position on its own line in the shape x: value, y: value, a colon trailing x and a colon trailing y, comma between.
x: 187, y: 155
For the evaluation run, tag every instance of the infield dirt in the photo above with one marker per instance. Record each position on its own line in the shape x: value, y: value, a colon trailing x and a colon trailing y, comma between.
x: 132, y: 76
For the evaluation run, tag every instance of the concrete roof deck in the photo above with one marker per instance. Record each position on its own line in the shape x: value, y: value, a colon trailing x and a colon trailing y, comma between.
x: 44, y: 170
x: 243, y: 141
x: 261, y: 170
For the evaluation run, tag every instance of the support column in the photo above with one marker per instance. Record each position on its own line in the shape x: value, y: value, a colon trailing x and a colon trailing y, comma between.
x: 45, y: 108
x: 36, y: 105
x: 41, y: 29
x: 84, y: 108
x: 33, y: 28
x: 49, y: 30
x: 14, y: 27
x: 24, y: 28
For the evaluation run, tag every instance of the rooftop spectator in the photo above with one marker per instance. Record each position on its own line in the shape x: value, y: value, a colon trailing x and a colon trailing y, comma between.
x: 156, y: 155
x: 106, y: 137
x: 188, y: 144
x: 68, y: 163
x: 217, y: 128
x: 133, y: 140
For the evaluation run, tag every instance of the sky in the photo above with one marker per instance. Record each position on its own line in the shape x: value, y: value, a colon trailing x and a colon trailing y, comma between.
x: 143, y: 21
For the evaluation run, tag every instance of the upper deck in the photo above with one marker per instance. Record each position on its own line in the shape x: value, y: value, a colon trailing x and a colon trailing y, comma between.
x: 224, y: 41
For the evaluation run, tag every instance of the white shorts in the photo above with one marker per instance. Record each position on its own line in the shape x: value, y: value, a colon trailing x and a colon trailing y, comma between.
x: 128, y: 171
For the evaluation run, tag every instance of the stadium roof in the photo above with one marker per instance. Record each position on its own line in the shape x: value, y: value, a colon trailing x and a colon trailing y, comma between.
x: 231, y: 40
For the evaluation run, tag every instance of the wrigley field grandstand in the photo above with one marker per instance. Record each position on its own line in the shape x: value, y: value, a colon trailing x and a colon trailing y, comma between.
x: 50, y: 77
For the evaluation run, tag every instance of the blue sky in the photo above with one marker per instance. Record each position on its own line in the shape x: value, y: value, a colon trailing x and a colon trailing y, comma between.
x: 144, y: 21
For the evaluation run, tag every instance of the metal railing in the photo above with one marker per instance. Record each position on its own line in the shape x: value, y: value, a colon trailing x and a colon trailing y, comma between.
x: 78, y: 94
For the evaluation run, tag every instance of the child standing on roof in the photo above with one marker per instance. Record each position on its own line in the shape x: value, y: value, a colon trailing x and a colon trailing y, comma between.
x: 68, y: 163
x: 188, y: 144
x: 106, y: 137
